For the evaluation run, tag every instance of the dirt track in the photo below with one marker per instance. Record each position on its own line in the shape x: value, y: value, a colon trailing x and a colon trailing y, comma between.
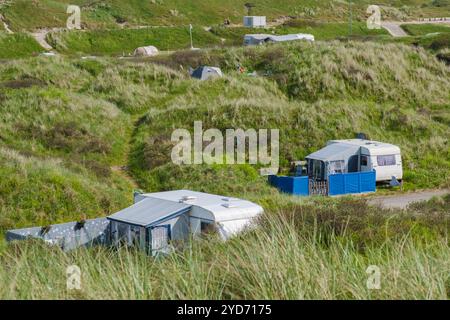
x: 395, y: 29
x: 5, y: 25
x: 403, y: 200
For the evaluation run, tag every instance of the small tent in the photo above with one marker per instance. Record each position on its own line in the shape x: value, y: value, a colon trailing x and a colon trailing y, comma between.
x: 148, y: 51
x: 206, y: 73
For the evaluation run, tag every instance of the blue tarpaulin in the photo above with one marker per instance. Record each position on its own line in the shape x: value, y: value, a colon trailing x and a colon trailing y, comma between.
x: 292, y: 185
x: 338, y: 184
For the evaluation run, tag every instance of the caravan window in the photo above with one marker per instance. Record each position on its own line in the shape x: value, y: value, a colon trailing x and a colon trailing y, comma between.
x: 364, y: 160
x: 207, y: 227
x: 388, y: 160
x: 317, y: 169
x: 135, y: 234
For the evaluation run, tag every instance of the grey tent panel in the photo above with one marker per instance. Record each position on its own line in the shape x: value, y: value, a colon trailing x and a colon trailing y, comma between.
x: 335, y: 151
x: 198, y: 73
x: 69, y: 235
x: 149, y: 211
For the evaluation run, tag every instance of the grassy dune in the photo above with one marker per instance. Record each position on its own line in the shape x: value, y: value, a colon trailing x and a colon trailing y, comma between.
x: 424, y: 29
x: 57, y: 145
x: 119, y: 42
x: 17, y: 45
x: 318, y: 251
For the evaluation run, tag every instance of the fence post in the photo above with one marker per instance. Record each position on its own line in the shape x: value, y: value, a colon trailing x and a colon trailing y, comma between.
x: 345, y: 183
x: 359, y: 182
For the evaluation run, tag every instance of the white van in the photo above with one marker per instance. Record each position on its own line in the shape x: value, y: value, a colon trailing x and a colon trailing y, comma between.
x: 382, y: 157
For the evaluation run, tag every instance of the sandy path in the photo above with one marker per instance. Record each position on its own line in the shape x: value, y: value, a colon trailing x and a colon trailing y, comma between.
x: 40, y: 36
x: 5, y: 25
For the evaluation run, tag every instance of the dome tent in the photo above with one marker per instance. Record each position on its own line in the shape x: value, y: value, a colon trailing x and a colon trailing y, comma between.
x: 148, y: 51
x: 205, y: 73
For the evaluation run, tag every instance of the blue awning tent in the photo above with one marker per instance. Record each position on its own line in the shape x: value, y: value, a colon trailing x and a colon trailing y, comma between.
x: 335, y: 152
x: 334, y: 158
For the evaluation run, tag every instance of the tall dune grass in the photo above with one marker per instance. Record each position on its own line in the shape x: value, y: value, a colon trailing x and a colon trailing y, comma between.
x: 312, y: 252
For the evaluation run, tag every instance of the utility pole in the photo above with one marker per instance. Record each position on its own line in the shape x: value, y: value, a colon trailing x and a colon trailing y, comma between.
x: 350, y: 21
x: 249, y: 7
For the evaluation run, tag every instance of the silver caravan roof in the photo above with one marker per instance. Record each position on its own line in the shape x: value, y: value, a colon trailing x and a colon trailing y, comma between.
x: 369, y: 147
x: 150, y: 211
x: 222, y: 208
x: 335, y: 151
x: 280, y: 38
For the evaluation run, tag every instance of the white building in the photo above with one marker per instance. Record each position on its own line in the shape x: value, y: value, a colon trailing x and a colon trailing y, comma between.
x: 356, y: 155
x: 255, y: 21
x: 173, y: 216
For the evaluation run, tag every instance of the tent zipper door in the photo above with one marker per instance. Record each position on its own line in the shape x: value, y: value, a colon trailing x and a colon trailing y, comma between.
x: 158, y: 239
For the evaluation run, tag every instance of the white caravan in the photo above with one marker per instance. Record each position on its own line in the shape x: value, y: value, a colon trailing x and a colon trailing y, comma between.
x: 384, y: 158
x: 260, y: 39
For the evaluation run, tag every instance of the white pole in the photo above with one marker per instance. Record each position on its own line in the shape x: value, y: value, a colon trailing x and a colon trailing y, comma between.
x: 190, y: 32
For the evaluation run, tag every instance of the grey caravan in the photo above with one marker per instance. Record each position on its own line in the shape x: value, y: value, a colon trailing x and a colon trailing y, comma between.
x: 150, y: 224
x: 159, y: 220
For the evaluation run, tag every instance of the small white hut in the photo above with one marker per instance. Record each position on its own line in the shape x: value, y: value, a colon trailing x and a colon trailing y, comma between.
x: 255, y: 21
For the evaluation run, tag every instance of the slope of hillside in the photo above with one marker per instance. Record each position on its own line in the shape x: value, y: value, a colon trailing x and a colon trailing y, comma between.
x: 57, y: 144
x: 29, y: 15
x: 125, y: 41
